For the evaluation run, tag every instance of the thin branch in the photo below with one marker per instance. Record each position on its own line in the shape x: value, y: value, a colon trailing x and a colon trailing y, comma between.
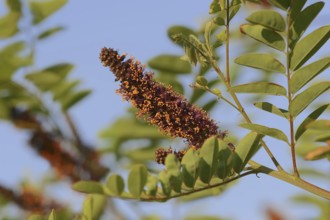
x: 292, y: 179
x: 164, y: 198
x: 223, y: 98
x: 74, y: 131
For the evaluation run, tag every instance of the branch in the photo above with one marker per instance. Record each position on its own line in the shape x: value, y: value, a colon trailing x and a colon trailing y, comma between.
x: 292, y: 179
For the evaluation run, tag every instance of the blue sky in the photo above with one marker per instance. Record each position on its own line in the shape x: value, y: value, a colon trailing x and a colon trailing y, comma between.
x: 138, y: 28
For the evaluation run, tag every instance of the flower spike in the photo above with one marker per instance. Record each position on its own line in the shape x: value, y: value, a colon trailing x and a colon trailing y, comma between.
x: 160, y: 105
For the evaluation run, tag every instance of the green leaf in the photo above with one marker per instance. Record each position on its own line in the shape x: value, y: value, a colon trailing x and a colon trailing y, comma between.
x: 308, y: 46
x: 269, y: 19
x: 4, y: 109
x: 195, y: 50
x: 210, y: 105
x: 139, y: 155
x: 220, y: 19
x: 11, y: 59
x: 152, y: 185
x: 202, y: 217
x: 310, y: 118
x: 170, y: 63
x: 125, y: 128
x: 9, y: 22
x: 88, y: 187
x: 178, y: 29
x: 49, y: 32
x: 304, y: 75
x: 319, y: 125
x: 198, y: 93
x: 234, y: 9
x: 93, y: 207
x: 165, y: 181
x: 201, y: 80
x: 318, y: 153
x: 207, y: 35
x: 62, y: 69
x: 115, y: 184
x: 205, y: 193
x: 42, y: 9
x: 325, y: 138
x: 8, y: 25
x: 36, y: 217
x: 137, y: 179
x: 52, y: 215
x: 260, y: 87
x: 71, y: 99
x: 44, y: 80
x: 190, y: 169
x: 214, y: 7
x: 296, y: 8
x: 305, y: 98
x: 268, y: 107
x: 209, y: 159
x: 264, y: 35
x: 272, y: 132
x: 245, y: 149
x: 282, y: 4
x: 173, y: 166
x: 265, y: 62
x: 63, y: 88
x: 87, y: 211
x: 225, y: 160
x: 14, y: 5
x: 302, y: 20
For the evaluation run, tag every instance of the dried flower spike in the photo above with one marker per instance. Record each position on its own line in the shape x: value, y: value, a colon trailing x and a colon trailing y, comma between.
x: 161, y: 154
x: 160, y: 105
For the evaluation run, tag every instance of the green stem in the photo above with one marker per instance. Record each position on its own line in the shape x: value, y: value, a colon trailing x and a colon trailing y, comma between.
x: 223, y: 98
x: 291, y: 119
x: 292, y: 179
x: 227, y: 44
x: 242, y: 111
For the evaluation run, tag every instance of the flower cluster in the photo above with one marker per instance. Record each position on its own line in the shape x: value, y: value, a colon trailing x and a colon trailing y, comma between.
x: 161, y: 154
x: 160, y: 105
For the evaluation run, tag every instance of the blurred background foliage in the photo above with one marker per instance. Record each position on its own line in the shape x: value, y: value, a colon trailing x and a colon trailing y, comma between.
x: 38, y: 102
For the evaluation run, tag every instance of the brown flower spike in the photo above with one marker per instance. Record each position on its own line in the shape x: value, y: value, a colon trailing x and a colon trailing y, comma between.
x: 161, y: 106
